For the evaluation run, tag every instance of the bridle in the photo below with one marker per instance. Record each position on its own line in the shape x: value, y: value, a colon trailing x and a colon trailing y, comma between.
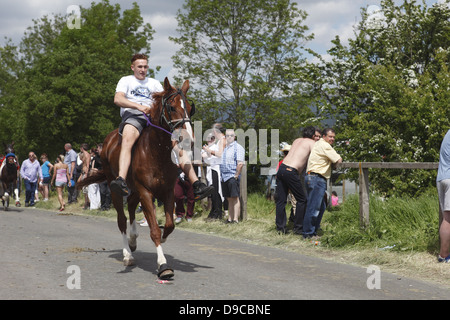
x: 167, y: 106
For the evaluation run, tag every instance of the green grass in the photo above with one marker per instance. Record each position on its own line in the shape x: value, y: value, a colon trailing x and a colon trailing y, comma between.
x: 401, y: 223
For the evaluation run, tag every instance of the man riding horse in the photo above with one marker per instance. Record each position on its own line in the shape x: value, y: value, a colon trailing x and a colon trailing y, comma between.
x: 137, y: 157
x: 133, y: 96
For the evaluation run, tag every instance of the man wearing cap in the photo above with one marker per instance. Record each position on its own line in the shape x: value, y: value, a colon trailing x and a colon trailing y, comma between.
x: 317, y: 172
x: 288, y: 178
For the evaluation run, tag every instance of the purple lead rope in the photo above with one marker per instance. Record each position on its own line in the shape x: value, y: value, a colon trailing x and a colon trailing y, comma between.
x: 149, y: 123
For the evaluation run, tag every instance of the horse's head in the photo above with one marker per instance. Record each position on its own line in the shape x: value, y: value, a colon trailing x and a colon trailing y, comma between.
x: 177, y: 110
x: 9, y: 148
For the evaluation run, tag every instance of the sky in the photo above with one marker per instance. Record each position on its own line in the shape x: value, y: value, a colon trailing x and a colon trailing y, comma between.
x: 326, y: 19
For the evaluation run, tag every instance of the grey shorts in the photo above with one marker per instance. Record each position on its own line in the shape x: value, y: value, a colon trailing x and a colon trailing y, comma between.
x: 60, y: 183
x: 134, y: 117
x: 443, y: 188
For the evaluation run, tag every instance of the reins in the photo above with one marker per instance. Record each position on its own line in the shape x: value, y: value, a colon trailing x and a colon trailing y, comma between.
x: 166, y: 106
x: 149, y: 123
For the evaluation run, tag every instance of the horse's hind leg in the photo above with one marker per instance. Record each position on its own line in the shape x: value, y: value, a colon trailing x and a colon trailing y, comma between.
x: 133, y: 201
x: 128, y: 259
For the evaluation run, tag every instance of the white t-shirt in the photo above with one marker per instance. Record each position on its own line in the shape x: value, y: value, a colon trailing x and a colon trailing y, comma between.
x: 139, y: 91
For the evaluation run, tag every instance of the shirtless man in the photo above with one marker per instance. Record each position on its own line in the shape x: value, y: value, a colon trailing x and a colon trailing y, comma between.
x: 289, y: 178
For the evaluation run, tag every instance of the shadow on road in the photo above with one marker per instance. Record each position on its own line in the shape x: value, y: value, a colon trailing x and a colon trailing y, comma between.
x: 147, y: 262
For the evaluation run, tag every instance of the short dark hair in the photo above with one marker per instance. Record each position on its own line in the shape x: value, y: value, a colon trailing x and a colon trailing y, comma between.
x: 326, y: 130
x: 309, y: 132
x: 218, y: 127
x: 139, y: 56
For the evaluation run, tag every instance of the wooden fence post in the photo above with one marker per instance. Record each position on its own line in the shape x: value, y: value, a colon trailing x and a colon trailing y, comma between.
x: 364, y: 180
x: 243, y: 191
x: 363, y: 196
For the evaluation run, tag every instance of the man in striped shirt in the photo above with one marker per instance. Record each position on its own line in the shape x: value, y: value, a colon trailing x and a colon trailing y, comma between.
x: 233, y: 158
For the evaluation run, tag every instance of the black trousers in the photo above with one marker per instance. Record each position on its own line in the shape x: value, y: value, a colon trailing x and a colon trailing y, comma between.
x: 105, y: 195
x: 216, y: 199
x: 289, y: 179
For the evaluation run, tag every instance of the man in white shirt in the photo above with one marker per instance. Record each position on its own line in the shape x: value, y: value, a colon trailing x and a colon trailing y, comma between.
x: 31, y: 173
x: 134, y: 97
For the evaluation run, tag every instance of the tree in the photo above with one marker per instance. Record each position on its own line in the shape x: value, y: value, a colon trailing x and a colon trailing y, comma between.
x: 66, y: 78
x: 244, y: 59
x: 389, y: 92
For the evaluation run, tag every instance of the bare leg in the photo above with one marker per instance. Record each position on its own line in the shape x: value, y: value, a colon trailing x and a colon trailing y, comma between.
x: 444, y: 233
x: 129, y: 136
x: 234, y: 208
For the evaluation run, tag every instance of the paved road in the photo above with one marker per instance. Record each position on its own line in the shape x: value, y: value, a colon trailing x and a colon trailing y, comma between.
x: 38, y: 249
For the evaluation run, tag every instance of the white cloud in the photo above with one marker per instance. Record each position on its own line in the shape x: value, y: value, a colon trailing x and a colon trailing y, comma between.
x: 326, y: 19
x: 162, y: 48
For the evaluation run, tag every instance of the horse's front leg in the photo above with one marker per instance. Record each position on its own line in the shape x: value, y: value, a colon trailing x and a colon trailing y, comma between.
x: 164, y: 271
x: 16, y: 193
x: 169, y: 205
x: 5, y: 196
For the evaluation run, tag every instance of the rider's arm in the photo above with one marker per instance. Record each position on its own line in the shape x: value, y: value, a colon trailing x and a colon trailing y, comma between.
x: 121, y: 100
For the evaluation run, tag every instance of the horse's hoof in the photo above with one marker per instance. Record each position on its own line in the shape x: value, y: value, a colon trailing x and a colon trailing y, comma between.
x: 127, y: 262
x: 133, y: 248
x: 165, y: 272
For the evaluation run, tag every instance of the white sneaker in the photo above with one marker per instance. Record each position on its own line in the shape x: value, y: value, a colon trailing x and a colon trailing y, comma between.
x: 144, y: 224
x: 189, y: 219
x: 141, y: 221
x: 178, y: 220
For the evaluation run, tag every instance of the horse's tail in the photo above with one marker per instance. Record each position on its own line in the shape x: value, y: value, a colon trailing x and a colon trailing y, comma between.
x: 97, y: 177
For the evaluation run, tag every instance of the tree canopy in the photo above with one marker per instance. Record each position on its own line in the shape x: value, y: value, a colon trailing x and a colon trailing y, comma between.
x: 59, y: 84
x: 389, y: 91
x: 244, y: 58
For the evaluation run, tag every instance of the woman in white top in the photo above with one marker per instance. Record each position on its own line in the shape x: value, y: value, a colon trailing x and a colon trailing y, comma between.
x: 213, y: 156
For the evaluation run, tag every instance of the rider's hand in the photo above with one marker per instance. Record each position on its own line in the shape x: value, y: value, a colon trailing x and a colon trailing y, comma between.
x: 145, y: 109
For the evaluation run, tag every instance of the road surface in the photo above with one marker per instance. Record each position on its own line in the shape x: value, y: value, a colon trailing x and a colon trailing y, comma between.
x: 44, y: 255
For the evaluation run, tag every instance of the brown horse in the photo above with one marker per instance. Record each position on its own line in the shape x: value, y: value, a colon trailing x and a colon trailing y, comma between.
x: 152, y: 172
x: 9, y: 176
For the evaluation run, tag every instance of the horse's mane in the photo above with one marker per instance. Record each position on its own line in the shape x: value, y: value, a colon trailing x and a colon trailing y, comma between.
x: 157, y: 98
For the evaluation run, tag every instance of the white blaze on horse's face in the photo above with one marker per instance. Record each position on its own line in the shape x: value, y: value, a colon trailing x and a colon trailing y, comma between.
x: 188, y: 124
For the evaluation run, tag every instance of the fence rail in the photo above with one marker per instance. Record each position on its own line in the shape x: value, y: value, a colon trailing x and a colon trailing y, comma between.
x: 364, y: 181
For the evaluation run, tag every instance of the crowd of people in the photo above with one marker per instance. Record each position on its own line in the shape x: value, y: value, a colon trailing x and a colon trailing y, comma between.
x: 68, y: 168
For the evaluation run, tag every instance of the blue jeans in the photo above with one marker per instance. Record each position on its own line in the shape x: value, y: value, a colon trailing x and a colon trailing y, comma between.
x: 315, y: 206
x: 30, y: 188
